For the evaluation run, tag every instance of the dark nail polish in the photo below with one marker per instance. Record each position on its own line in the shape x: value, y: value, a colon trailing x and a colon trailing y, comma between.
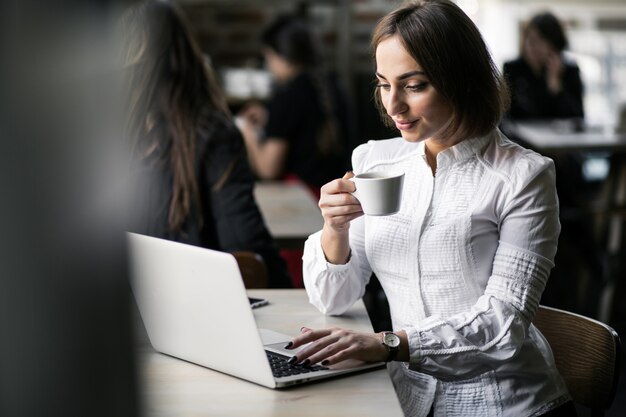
x: 324, y: 362
x: 289, y: 345
x: 292, y: 360
x: 305, y: 362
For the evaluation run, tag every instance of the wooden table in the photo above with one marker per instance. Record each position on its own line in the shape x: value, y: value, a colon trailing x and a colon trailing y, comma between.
x: 290, y: 212
x: 171, y: 387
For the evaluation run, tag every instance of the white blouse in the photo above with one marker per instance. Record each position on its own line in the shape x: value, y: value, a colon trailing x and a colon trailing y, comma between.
x: 463, y: 265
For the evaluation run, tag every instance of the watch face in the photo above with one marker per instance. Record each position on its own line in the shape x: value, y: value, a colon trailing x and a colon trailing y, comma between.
x: 392, y: 340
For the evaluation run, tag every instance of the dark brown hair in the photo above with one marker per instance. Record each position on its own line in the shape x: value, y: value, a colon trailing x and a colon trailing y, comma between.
x: 170, y: 83
x: 453, y: 54
x: 550, y: 29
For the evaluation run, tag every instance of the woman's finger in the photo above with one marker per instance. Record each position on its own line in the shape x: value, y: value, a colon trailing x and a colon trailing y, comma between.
x: 338, y: 185
x: 349, y: 352
x: 337, y: 200
x: 330, y: 350
x: 317, y: 346
x: 308, y: 337
x: 341, y: 210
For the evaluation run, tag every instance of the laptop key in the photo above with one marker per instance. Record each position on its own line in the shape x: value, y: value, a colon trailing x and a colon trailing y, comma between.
x: 281, y: 368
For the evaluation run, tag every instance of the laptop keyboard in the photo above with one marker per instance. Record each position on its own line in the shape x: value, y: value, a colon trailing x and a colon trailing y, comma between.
x: 280, y: 367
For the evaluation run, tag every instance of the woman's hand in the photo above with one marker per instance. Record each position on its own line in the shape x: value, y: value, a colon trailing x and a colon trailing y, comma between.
x: 339, y: 208
x: 554, y: 71
x: 255, y: 114
x: 334, y: 345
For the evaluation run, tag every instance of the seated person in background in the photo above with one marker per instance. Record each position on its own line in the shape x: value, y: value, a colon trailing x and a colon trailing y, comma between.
x: 306, y: 125
x: 543, y: 84
x: 192, y: 182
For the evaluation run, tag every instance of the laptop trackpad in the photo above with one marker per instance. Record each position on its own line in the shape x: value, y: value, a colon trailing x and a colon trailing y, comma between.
x: 275, y: 342
x: 270, y: 337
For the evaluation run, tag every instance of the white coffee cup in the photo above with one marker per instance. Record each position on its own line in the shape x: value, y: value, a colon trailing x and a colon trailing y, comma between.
x: 379, y: 192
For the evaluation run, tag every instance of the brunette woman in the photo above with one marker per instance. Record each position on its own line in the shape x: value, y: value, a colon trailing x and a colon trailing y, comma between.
x: 192, y: 179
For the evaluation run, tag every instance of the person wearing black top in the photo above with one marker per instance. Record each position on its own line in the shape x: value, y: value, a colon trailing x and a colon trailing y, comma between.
x: 296, y: 114
x: 306, y: 129
x: 192, y: 182
x: 544, y: 85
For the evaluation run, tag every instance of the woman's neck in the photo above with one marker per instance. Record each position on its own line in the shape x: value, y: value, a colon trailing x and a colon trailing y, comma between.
x: 289, y: 74
x: 432, y: 148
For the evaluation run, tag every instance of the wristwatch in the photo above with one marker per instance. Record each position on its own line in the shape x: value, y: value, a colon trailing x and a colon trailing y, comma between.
x: 391, y: 342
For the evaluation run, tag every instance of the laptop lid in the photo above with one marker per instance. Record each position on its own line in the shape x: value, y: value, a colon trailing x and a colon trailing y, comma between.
x: 194, y: 306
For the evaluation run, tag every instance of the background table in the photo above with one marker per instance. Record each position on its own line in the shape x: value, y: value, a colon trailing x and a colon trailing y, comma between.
x: 290, y: 212
x: 561, y: 136
x: 171, y: 387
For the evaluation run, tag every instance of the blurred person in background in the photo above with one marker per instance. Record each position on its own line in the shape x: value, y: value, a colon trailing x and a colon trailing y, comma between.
x: 192, y: 183
x: 543, y: 83
x: 305, y: 131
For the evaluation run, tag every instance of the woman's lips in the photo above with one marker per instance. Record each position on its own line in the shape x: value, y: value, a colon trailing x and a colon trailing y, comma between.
x: 405, y: 125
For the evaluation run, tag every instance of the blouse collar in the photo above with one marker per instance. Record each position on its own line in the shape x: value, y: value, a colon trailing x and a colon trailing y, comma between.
x: 458, y: 152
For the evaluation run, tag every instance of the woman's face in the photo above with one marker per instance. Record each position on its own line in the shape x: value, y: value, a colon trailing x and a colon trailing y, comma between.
x: 280, y: 68
x: 417, y: 109
x: 536, y: 48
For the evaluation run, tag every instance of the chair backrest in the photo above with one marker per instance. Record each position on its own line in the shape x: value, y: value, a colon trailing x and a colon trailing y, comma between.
x: 253, y: 269
x: 587, y: 354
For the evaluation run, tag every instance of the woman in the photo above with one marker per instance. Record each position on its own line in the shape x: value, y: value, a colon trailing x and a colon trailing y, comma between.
x: 193, y: 183
x: 544, y: 85
x: 306, y: 128
x: 465, y: 260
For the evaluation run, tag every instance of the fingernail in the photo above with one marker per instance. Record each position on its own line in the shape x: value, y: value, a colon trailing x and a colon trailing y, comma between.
x: 324, y: 362
x: 288, y: 345
x: 305, y: 362
x: 302, y: 329
x: 292, y: 360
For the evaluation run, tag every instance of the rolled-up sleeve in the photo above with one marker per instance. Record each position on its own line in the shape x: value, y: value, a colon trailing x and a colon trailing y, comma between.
x: 333, y: 289
x: 495, y: 328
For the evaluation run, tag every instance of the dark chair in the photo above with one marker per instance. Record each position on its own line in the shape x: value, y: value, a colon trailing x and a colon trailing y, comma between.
x: 253, y: 269
x: 587, y: 354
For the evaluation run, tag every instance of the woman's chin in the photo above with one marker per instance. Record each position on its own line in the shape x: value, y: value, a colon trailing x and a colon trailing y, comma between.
x: 411, y: 136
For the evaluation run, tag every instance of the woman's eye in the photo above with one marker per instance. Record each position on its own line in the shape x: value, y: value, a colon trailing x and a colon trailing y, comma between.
x: 417, y: 87
x: 385, y: 87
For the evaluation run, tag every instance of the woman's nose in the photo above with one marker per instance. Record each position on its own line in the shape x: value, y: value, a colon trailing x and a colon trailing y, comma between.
x: 396, y: 103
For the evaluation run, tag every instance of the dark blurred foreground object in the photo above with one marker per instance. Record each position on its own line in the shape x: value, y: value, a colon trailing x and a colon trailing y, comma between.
x: 587, y: 353
x: 64, y: 297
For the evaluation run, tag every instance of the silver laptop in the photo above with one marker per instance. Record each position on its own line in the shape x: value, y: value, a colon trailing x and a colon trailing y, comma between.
x: 194, y: 307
